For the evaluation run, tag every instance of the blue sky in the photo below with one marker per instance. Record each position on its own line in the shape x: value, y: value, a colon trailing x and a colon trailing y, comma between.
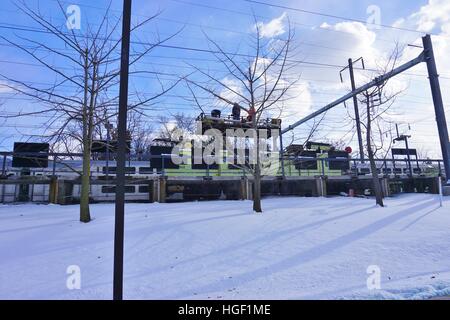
x: 321, y: 39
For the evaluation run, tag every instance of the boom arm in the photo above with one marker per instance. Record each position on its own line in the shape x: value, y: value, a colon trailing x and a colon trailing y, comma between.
x: 367, y: 86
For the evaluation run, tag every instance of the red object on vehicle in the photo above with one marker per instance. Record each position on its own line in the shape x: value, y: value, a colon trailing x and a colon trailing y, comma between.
x: 251, y: 114
x: 348, y: 149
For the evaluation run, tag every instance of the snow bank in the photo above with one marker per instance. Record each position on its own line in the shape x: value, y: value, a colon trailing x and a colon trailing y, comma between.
x: 299, y: 248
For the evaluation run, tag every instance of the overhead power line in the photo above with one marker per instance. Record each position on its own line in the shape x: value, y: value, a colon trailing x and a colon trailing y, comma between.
x: 331, y: 16
x: 209, y: 6
x: 193, y: 49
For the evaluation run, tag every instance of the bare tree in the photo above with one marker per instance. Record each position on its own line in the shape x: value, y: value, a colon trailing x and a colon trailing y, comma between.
x: 170, y: 127
x: 80, y: 99
x: 375, y: 122
x: 338, y: 144
x: 423, y: 152
x: 257, y: 83
x: 141, y: 133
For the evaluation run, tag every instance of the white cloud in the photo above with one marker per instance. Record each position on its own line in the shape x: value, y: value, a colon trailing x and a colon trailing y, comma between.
x: 356, y: 35
x: 232, y: 94
x: 429, y: 16
x: 299, y: 106
x: 398, y: 23
x: 6, y: 87
x: 261, y: 66
x: 272, y: 28
x: 435, y: 14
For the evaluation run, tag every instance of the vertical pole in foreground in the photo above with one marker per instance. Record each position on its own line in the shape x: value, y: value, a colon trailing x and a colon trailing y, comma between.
x: 4, y: 166
x: 108, y: 142
x: 121, y: 150
x: 355, y: 104
x: 438, y: 105
x: 408, y: 157
x: 281, y: 154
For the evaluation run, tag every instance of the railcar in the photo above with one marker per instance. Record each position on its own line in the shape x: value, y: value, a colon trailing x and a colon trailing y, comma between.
x: 309, y: 160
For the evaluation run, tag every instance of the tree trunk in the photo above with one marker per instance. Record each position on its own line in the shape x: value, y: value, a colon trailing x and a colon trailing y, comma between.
x: 373, y: 167
x: 376, y: 181
x: 85, y: 215
x: 257, y: 190
x: 257, y: 172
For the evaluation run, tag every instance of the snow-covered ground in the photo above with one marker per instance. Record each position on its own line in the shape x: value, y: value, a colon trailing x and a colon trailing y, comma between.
x: 299, y: 248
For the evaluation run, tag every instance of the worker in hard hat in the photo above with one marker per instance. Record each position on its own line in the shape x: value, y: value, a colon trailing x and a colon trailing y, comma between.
x: 251, y: 114
x: 236, y: 112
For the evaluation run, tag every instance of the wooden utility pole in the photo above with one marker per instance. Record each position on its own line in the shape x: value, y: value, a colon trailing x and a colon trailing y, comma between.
x: 355, y: 104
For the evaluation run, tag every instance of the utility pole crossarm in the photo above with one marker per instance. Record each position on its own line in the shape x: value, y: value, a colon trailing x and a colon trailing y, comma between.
x: 367, y: 86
